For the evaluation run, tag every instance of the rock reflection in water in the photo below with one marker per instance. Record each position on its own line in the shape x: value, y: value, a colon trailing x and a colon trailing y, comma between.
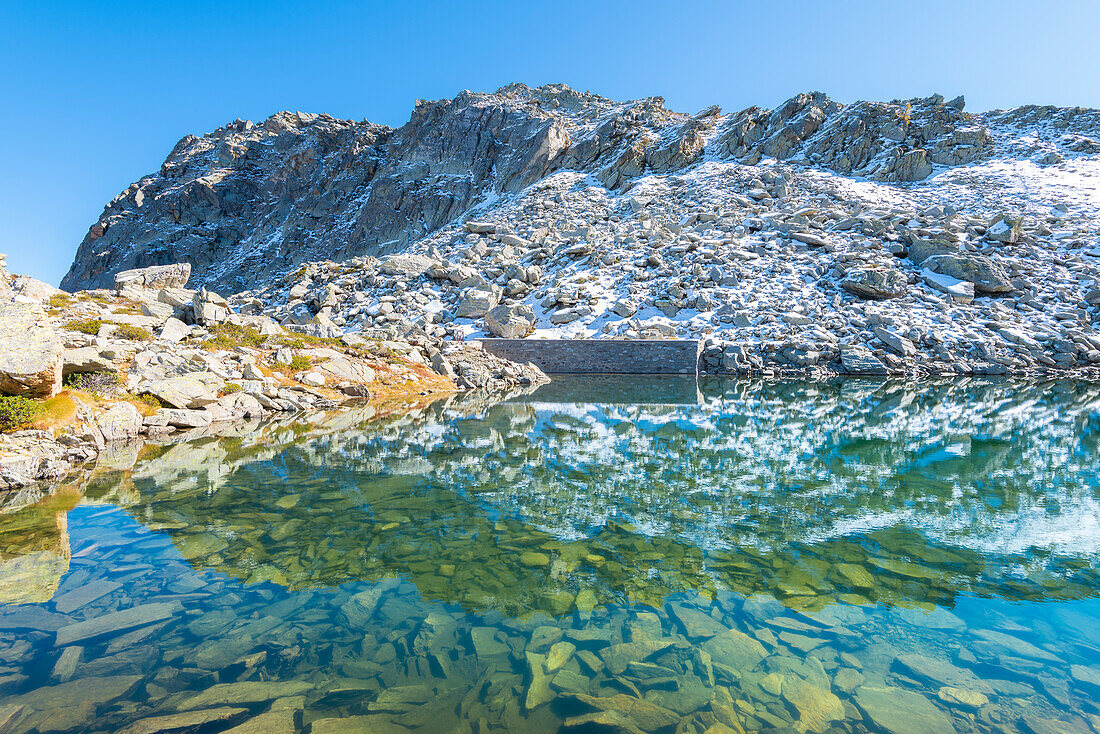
x: 34, y: 548
x: 845, y: 556
x: 811, y: 493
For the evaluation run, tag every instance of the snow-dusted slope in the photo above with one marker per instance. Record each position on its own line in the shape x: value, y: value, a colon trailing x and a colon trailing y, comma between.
x: 800, y: 234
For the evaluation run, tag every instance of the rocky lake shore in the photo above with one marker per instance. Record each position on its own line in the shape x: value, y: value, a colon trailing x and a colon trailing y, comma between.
x: 332, y: 260
x: 150, y: 358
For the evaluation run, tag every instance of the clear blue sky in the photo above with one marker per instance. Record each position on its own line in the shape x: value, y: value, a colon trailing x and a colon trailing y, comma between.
x: 96, y: 93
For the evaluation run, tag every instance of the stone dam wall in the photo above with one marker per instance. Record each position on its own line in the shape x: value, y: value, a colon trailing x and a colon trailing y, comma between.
x: 602, y: 356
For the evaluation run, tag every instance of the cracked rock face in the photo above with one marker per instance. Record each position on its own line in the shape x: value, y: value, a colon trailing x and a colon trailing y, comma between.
x: 252, y: 200
x: 30, y: 352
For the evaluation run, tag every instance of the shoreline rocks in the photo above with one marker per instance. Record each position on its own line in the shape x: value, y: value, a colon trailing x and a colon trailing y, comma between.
x: 155, y: 360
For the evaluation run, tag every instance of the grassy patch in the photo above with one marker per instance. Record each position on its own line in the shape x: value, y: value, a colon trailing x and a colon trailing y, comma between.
x: 58, y: 411
x: 134, y: 333
x: 17, y: 412
x: 294, y: 340
x: 300, y: 362
x: 84, y: 326
x: 60, y: 300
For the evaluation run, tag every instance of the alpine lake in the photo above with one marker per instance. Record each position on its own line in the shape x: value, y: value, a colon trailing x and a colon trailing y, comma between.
x: 600, y: 554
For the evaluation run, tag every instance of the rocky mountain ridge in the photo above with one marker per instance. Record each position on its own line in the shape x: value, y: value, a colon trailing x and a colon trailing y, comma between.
x: 261, y: 198
x: 866, y: 238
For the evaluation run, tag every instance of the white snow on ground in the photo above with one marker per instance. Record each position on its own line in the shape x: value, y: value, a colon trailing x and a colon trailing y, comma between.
x: 708, y: 252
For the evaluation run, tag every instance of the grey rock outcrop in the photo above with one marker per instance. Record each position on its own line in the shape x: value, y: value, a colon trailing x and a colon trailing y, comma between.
x: 154, y: 276
x: 876, y: 284
x: 860, y: 361
x: 209, y: 308
x: 5, y: 281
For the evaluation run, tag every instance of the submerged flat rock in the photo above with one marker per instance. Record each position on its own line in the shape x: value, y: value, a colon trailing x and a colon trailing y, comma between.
x: 898, y: 711
x: 247, y: 692
x: 42, y: 703
x: 189, y: 721
x: 119, y: 621
x: 735, y: 650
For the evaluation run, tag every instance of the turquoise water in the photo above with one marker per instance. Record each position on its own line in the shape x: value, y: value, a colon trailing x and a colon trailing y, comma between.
x: 598, y: 555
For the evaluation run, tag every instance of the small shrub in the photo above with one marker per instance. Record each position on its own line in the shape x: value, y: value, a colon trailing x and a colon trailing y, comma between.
x: 134, y: 333
x: 296, y: 340
x: 152, y: 401
x: 94, y: 382
x: 300, y: 362
x: 85, y: 326
x: 228, y: 336
x: 17, y: 411
x: 230, y: 388
x: 61, y: 300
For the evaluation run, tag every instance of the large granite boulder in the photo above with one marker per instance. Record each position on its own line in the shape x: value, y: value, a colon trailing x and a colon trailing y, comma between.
x: 156, y: 276
x: 1005, y: 228
x: 876, y: 284
x: 510, y: 322
x: 30, y: 352
x: 475, y: 302
x: 119, y: 422
x: 340, y: 367
x: 407, y: 265
x: 193, y: 390
x: 986, y: 275
x: 84, y: 359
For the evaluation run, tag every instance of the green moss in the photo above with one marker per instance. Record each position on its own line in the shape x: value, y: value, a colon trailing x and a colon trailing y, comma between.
x: 17, y: 411
x: 230, y: 388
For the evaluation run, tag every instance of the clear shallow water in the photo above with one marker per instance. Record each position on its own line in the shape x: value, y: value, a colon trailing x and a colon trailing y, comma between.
x: 626, y: 555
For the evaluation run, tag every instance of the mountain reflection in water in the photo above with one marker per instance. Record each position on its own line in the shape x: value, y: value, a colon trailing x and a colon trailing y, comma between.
x: 916, y: 493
